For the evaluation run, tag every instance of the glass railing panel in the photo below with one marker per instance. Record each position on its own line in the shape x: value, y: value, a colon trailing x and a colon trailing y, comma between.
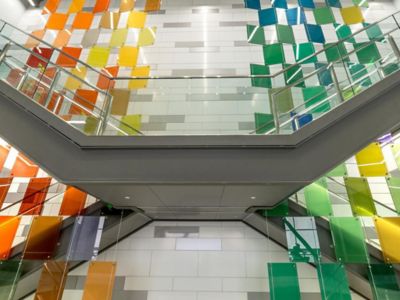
x: 383, y: 281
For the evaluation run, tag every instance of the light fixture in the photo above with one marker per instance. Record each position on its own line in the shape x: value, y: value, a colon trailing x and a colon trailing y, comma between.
x: 127, y: 197
x: 252, y: 197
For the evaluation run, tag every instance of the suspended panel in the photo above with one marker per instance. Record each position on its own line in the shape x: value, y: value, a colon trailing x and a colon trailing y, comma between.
x: 283, y: 281
x: 317, y: 198
x: 4, y: 187
x: 389, y: 236
x: 35, y: 196
x: 99, y: 281
x: 52, y: 280
x: 10, y: 271
x: 394, y: 188
x: 383, y: 281
x: 333, y: 282
x: 73, y: 202
x: 371, y: 162
x: 360, y: 196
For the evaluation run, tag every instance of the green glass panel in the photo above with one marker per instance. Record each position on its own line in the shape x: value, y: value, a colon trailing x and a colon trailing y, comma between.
x: 390, y: 68
x: 301, y: 51
x: 324, y: 15
x: 10, y: 272
x: 273, y: 54
x: 260, y: 70
x: 255, y: 35
x: 358, y: 72
x: 335, y: 53
x: 285, y: 34
x: 317, y: 198
x: 294, y: 74
x: 339, y: 171
x: 91, y: 125
x: 283, y: 100
x: 263, y: 122
x: 343, y: 31
x: 281, y: 210
x: 394, y: 188
x: 360, y: 196
x: 283, y: 281
x: 362, y: 3
x: 333, y: 282
x: 313, y: 95
x: 302, y: 239
x: 383, y: 282
x: 396, y: 154
x: 348, y: 238
x: 373, y: 32
x: 368, y: 53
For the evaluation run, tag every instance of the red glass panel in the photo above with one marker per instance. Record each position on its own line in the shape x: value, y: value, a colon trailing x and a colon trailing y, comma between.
x: 86, y: 100
x: 35, y: 61
x: 4, y: 187
x: 35, y: 195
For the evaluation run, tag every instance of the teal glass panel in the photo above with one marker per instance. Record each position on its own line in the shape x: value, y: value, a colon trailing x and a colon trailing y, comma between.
x: 343, y: 31
x: 263, y: 122
x: 307, y: 3
x: 358, y: 74
x: 281, y: 210
x: 10, y: 271
x: 324, y: 75
x: 283, y: 100
x: 293, y: 75
x: 317, y: 198
x: 339, y: 171
x: 323, y: 15
x: 304, y: 50
x: 267, y: 17
x: 383, y: 281
x: 253, y: 4
x: 260, y: 70
x: 302, y: 239
x: 333, y: 282
x: 314, y: 33
x: 336, y: 52
x: 374, y: 32
x: 283, y: 281
x: 348, y: 238
x: 367, y: 54
x: 279, y: 4
x: 285, y: 34
x: 255, y: 35
x: 360, y: 196
x: 314, y: 95
x: 334, y: 3
x: 394, y: 188
x: 273, y: 54
x: 295, y: 16
x: 390, y: 68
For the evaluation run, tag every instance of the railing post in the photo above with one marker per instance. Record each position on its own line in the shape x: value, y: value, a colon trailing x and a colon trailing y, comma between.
x: 22, y: 81
x: 394, y: 46
x: 51, y: 87
x: 104, y: 114
x: 336, y: 83
x: 4, y: 51
x: 275, y: 113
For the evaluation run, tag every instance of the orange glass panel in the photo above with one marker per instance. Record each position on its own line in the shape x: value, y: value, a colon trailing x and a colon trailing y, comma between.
x: 23, y: 167
x: 99, y: 281
x: 57, y: 21
x: 4, y: 187
x: 31, y: 42
x: 52, y: 280
x: 389, y: 235
x: 109, y: 20
x: 62, y: 38
x: 86, y: 100
x: 3, y: 155
x: 8, y: 229
x: 42, y: 238
x: 66, y: 61
x: 76, y: 6
x: 35, y: 195
x: 127, y: 5
x: 101, y: 5
x: 73, y: 202
x: 120, y: 101
x: 82, y: 20
x: 51, y: 6
x: 152, y: 5
x: 104, y: 82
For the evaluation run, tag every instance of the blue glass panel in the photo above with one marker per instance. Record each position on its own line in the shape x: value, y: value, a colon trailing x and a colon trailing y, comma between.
x: 279, y: 4
x: 85, y: 239
x: 300, y: 120
x: 267, y: 17
x: 333, y: 3
x: 324, y: 76
x: 254, y: 4
x: 307, y: 3
x: 295, y: 16
x: 314, y: 33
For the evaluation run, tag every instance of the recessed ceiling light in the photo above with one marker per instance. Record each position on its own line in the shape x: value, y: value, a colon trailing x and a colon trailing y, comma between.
x: 252, y: 197
x: 127, y: 197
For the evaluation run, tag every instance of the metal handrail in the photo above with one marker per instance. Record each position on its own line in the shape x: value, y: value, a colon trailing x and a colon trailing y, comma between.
x: 202, y: 77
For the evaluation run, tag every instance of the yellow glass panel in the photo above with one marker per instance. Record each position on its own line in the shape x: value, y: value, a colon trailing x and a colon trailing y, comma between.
x: 139, y: 72
x: 98, y: 56
x: 131, y: 123
x: 128, y: 56
x: 31, y: 42
x: 118, y: 37
x: 109, y: 20
x: 76, y: 6
x: 371, y: 162
x: 137, y: 19
x: 389, y: 236
x: 147, y: 36
x: 352, y: 15
x: 52, y: 280
x: 72, y: 83
x: 99, y: 281
x: 127, y: 5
